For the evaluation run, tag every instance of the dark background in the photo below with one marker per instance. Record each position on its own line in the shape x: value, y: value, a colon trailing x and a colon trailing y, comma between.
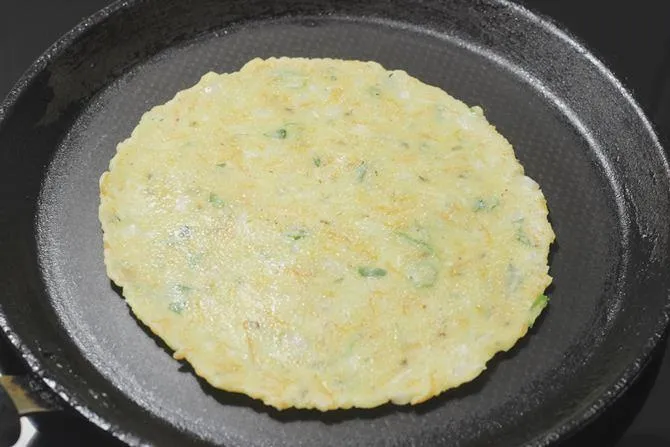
x: 632, y: 38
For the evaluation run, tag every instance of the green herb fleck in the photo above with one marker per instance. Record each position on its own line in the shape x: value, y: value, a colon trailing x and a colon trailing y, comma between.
x: 521, y: 237
x: 221, y: 165
x: 422, y: 274
x: 519, y: 233
x: 182, y: 289
x: 177, y: 306
x: 422, y: 245
x: 371, y: 272
x: 423, y: 179
x: 297, y: 234
x: 540, y: 302
x: 317, y: 161
x: 486, y: 205
x: 537, y: 307
x: 279, y: 134
x: 361, y: 171
x: 216, y: 201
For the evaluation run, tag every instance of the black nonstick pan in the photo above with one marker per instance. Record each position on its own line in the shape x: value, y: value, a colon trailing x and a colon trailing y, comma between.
x: 575, y: 128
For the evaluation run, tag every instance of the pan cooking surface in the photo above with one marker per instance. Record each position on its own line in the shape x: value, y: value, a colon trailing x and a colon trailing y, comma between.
x: 549, y: 146
x: 573, y: 128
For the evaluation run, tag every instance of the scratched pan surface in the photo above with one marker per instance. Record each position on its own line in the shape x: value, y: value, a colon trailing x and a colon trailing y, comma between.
x: 577, y: 131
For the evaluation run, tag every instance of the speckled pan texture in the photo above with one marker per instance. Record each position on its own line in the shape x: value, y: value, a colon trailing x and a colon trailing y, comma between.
x: 574, y: 128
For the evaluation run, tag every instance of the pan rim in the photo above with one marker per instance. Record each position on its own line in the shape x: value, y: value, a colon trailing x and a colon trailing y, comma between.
x: 561, y: 430
x: 34, y: 365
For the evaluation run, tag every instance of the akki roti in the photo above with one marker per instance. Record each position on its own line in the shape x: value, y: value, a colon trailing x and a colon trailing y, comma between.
x: 321, y: 233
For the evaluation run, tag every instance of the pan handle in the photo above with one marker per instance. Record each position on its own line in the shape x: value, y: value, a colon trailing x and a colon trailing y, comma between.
x: 20, y: 395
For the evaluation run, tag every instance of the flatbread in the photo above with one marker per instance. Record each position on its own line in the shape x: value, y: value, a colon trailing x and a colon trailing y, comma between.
x: 321, y: 233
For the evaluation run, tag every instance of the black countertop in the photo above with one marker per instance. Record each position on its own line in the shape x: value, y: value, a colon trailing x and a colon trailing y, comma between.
x: 633, y: 40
